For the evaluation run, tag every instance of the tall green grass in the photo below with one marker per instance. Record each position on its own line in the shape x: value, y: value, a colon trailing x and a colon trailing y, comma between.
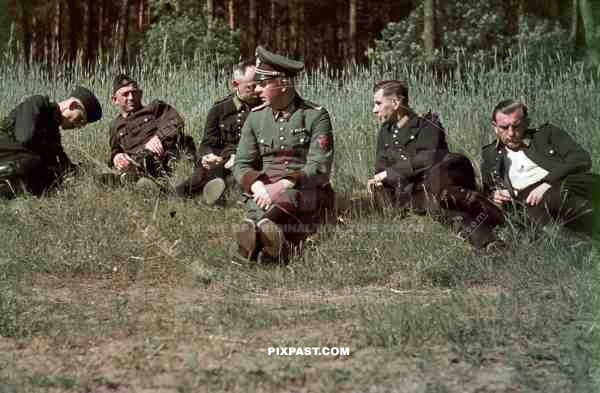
x: 563, y: 93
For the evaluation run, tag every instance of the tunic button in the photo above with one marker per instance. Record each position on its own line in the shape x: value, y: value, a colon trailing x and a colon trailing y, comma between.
x: 145, y: 119
x: 281, y: 138
x: 222, y: 125
x: 499, y: 151
x: 286, y: 162
x: 280, y: 128
x: 301, y: 140
x: 239, y: 121
x: 551, y: 151
x: 495, y: 172
x: 282, y: 119
x: 387, y: 145
x: 396, y: 142
x: 262, y: 141
x: 282, y: 147
x: 412, y: 137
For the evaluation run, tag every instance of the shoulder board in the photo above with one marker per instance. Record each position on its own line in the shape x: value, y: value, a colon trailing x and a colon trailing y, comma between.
x: 159, y: 105
x: 543, y: 126
x: 312, y: 105
x: 260, y: 107
x: 158, y: 102
x: 490, y: 145
x: 114, y: 122
x: 223, y: 99
x: 433, y: 117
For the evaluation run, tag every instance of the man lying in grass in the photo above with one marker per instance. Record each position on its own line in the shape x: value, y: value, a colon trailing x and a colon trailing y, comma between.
x: 32, y: 158
x: 415, y: 170
x: 542, y: 170
x: 143, y: 138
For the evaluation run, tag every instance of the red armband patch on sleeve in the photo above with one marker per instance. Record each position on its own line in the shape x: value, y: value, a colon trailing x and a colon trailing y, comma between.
x: 325, y: 142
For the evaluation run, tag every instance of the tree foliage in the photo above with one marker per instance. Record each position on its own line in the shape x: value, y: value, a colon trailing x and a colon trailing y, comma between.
x: 180, y: 33
x: 479, y: 30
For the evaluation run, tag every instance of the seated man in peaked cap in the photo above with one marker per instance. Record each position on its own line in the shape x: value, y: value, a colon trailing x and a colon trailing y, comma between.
x: 32, y: 158
x: 283, y: 163
x: 542, y: 170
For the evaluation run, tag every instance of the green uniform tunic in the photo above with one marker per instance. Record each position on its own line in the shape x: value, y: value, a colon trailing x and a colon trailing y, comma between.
x: 296, y: 144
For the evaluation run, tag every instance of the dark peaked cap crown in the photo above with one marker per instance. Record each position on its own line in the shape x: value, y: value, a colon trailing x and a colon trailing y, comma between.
x: 123, y: 80
x: 272, y: 65
x: 93, y: 110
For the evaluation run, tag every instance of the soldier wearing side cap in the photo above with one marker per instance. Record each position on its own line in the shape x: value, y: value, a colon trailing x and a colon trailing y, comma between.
x: 283, y: 163
x: 542, y: 170
x: 32, y: 158
x: 222, y: 132
x: 416, y: 170
x: 145, y: 138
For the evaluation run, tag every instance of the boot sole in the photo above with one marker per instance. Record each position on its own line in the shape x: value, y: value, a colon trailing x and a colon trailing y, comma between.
x: 271, y: 237
x: 246, y: 238
x: 213, y: 190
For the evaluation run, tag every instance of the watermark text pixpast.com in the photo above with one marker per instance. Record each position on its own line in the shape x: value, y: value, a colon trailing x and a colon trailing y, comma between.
x: 308, y: 351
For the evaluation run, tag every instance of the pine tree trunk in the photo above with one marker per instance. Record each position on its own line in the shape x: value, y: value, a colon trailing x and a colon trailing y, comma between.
x: 231, y: 14
x: 141, y: 10
x: 210, y: 14
x: 293, y: 29
x: 101, y: 11
x: 301, y: 30
x: 352, y: 30
x: 84, y: 33
x: 92, y: 48
x: 46, y: 42
x: 252, y: 26
x: 273, y: 26
x: 589, y: 26
x: 34, y: 39
x: 56, y: 37
x: 124, y: 25
x: 23, y: 11
x: 577, y: 29
x: 341, y: 21
x: 429, y: 29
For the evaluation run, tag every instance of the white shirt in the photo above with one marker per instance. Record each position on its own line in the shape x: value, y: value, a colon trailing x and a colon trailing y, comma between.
x: 522, y: 172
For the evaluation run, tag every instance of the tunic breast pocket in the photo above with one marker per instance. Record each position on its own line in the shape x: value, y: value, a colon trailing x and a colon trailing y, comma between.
x: 230, y: 131
x: 265, y: 145
x: 143, y: 126
x: 300, y: 138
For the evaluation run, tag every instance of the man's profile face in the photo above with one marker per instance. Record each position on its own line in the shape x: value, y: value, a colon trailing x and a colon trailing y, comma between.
x: 128, y: 98
x: 270, y: 89
x: 510, y: 128
x: 246, y: 87
x: 385, y: 108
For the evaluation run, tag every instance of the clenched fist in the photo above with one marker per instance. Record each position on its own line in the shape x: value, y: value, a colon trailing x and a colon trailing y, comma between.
x: 121, y: 161
x: 155, y: 146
